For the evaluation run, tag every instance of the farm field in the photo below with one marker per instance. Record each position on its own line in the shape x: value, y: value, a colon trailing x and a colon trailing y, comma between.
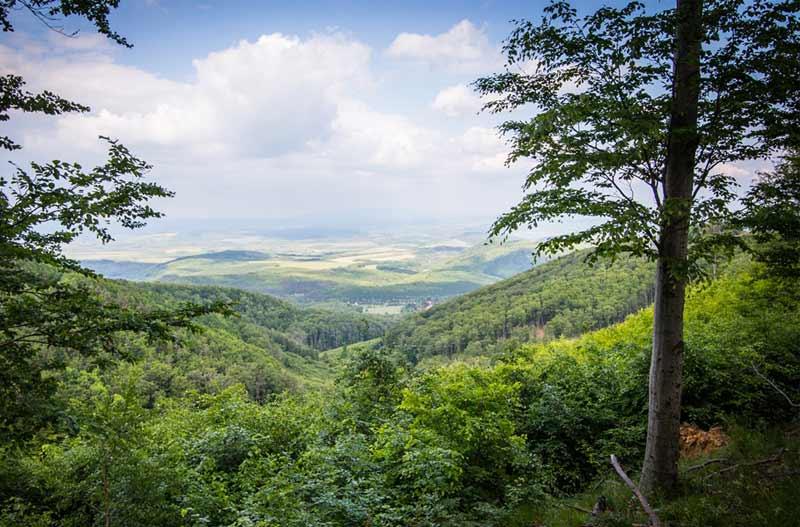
x: 377, y: 273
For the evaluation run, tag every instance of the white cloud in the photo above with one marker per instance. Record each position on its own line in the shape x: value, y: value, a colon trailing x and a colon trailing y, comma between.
x: 273, y: 127
x: 463, y: 48
x: 736, y: 171
x: 257, y: 98
x: 456, y: 101
x: 380, y: 140
x: 483, y: 149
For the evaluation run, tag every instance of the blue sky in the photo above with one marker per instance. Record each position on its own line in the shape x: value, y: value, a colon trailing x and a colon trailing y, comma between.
x: 326, y: 112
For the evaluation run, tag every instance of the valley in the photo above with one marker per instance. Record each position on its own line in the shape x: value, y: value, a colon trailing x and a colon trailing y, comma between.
x: 380, y: 273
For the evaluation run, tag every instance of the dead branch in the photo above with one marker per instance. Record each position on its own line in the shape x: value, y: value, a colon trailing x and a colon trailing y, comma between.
x: 631, y: 485
x: 707, y: 463
x: 773, y: 459
x: 775, y: 387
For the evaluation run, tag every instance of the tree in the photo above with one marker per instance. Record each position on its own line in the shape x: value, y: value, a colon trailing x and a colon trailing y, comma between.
x: 42, y: 209
x: 772, y: 215
x: 12, y: 94
x: 638, y: 112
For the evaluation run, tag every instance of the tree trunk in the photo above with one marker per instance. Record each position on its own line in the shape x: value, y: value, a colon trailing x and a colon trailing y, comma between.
x: 660, y: 470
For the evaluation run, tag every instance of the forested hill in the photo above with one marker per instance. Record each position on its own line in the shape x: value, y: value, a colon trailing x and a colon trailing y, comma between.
x: 269, y: 346
x: 305, y: 330
x: 563, y: 297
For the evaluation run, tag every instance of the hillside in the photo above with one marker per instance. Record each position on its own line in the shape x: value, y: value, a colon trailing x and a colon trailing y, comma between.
x: 269, y: 346
x: 375, y: 276
x: 306, y: 330
x: 463, y: 444
x: 561, y: 298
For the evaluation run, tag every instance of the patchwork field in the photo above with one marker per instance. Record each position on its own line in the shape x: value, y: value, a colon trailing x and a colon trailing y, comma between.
x: 376, y: 273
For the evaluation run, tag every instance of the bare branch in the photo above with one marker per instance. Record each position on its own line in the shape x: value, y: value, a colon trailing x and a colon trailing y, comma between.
x: 774, y: 459
x: 706, y: 464
x: 651, y: 514
x: 775, y: 387
x: 48, y: 20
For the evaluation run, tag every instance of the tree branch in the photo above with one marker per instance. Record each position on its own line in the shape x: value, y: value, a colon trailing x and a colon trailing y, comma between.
x: 775, y: 387
x: 654, y: 522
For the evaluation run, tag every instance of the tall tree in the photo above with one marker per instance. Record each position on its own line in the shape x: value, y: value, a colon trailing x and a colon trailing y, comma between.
x: 666, y: 363
x: 638, y: 112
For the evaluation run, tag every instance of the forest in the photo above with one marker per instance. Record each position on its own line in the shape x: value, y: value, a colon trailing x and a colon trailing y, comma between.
x: 219, y: 430
x: 560, y: 298
x: 645, y: 372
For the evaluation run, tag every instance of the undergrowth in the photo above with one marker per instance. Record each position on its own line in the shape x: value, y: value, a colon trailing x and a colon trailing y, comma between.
x: 753, y: 481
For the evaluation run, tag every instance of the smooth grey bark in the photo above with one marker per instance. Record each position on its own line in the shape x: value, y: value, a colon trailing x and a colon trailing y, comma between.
x: 660, y: 469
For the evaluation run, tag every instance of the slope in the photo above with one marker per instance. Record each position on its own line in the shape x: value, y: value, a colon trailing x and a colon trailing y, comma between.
x: 563, y: 297
x: 269, y: 346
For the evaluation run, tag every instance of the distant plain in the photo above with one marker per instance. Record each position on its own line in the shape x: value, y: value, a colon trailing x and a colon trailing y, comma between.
x: 373, y: 272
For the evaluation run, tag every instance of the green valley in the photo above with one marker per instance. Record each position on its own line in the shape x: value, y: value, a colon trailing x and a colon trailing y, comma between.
x: 248, y: 418
x: 370, y: 275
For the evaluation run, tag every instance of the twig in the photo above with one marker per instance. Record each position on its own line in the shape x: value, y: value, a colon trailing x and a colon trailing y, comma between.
x: 775, y: 387
x: 707, y: 463
x: 631, y: 485
x: 766, y: 461
x: 581, y: 509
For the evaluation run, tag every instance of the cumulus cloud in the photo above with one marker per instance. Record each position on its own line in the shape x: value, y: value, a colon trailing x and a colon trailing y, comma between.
x: 257, y: 98
x: 456, y: 101
x: 483, y: 149
x: 464, y: 48
x: 271, y: 127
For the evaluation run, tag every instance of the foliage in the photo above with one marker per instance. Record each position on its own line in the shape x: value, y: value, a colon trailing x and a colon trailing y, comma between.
x: 772, y: 214
x: 389, y: 445
x: 39, y: 310
x: 756, y: 493
x: 44, y: 208
x: 563, y: 297
x: 14, y: 97
x: 49, y: 11
x: 638, y: 110
x: 602, y: 85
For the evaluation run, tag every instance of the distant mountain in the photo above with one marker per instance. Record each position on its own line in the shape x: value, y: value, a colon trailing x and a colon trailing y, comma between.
x: 226, y: 256
x: 125, y: 270
x: 140, y: 271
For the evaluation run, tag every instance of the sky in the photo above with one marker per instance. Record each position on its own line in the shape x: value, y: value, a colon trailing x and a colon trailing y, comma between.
x: 330, y: 113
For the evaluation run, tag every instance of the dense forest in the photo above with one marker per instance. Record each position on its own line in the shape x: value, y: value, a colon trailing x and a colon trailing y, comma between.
x: 561, y: 298
x: 266, y: 344
x: 302, y: 331
x: 387, y: 444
